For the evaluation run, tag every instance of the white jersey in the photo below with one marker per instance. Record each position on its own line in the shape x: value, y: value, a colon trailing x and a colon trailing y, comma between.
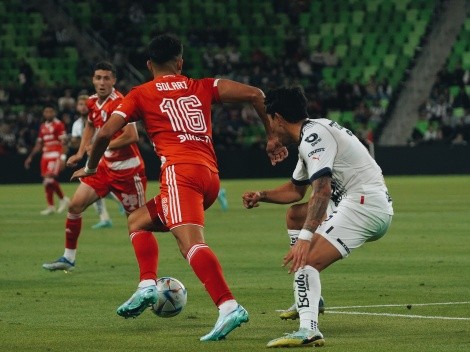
x: 327, y: 148
x: 77, y: 128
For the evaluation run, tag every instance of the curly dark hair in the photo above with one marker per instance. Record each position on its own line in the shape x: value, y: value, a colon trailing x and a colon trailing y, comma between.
x: 164, y: 47
x: 290, y: 102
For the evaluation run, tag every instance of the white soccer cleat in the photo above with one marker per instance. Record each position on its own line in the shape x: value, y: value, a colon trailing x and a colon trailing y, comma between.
x: 48, y: 211
x: 63, y: 204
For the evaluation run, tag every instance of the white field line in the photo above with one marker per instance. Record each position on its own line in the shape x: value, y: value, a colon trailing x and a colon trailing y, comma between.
x: 398, y: 305
x: 397, y: 315
x: 334, y: 310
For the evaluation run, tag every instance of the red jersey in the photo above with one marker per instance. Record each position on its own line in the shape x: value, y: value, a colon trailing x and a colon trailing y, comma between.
x: 52, y: 134
x: 176, y: 112
x: 98, y: 113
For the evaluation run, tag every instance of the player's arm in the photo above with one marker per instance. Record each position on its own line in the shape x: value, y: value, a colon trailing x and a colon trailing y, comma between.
x: 101, y: 143
x: 87, y: 136
x: 284, y: 194
x: 235, y: 92
x: 129, y: 136
x: 36, y: 149
x: 317, y: 205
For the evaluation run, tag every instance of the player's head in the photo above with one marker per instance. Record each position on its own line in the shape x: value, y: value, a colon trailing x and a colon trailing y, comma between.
x: 82, y: 108
x: 165, y: 53
x: 49, y: 112
x: 104, y: 78
x: 289, y: 102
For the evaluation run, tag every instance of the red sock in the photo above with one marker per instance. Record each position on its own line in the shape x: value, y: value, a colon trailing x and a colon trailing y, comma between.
x: 73, y: 226
x: 207, y: 268
x: 49, y: 188
x: 146, y: 251
x: 57, y: 189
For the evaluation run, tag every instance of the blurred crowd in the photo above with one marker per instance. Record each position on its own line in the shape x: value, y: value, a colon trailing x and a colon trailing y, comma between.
x: 445, y: 116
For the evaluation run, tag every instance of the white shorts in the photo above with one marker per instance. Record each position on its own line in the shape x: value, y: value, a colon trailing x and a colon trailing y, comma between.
x: 347, y: 229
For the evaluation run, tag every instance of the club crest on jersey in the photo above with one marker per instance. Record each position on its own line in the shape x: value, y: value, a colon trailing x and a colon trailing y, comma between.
x: 104, y: 115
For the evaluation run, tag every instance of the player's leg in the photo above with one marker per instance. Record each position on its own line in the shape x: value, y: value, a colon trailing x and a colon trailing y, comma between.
x: 82, y: 198
x: 140, y: 224
x: 295, y: 219
x: 105, y: 220
x: 54, y: 168
x: 49, y: 191
x: 222, y: 198
x: 307, y: 291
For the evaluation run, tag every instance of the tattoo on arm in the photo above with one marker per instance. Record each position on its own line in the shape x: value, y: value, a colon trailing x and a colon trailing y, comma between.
x: 318, y: 203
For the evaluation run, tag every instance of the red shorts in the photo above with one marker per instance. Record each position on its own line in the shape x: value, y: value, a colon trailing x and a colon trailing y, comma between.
x: 50, y: 164
x: 128, y: 187
x: 186, y: 190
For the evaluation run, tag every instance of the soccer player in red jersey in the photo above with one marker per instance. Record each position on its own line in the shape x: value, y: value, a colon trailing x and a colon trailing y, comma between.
x: 51, y: 140
x: 176, y: 113
x: 120, y: 170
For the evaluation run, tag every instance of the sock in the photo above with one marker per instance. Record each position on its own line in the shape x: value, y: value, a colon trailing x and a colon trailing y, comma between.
x: 307, y: 291
x: 49, y: 189
x: 207, y: 268
x: 228, y: 307
x: 70, y: 254
x: 57, y: 189
x: 73, y: 226
x: 100, y: 207
x: 146, y: 251
x: 147, y: 283
x: 293, y: 235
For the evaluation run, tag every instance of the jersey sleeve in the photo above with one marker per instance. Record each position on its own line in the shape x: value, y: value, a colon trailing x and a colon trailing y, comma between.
x: 318, y: 149
x: 211, y: 85
x: 300, y: 175
x: 128, y: 107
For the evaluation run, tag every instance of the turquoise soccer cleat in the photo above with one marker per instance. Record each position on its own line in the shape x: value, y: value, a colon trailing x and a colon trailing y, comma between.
x: 60, y: 264
x: 301, y: 338
x: 102, y: 224
x: 226, y: 323
x: 141, y: 299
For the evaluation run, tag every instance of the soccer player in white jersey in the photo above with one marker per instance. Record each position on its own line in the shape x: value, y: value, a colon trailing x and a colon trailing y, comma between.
x: 328, y: 153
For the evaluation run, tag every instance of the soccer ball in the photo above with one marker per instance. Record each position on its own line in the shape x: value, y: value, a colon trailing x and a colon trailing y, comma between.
x: 172, y: 297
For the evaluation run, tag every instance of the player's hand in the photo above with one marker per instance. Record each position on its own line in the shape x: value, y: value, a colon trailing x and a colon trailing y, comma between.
x: 27, y: 163
x: 80, y: 173
x: 73, y: 160
x: 276, y: 151
x: 251, y: 199
x: 297, y: 255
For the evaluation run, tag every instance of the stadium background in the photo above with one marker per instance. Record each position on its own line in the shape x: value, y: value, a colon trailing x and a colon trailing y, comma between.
x: 396, y: 72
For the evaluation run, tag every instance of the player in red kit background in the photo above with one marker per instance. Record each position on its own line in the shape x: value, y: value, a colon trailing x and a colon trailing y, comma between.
x: 51, y: 140
x: 176, y: 113
x: 120, y: 170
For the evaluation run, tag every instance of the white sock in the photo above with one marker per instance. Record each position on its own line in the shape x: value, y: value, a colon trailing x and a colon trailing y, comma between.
x: 70, y: 254
x: 100, y: 207
x: 146, y: 283
x: 293, y: 235
x: 307, y: 291
x: 227, y: 307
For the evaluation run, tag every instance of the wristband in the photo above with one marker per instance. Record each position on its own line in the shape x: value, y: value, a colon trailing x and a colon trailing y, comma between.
x: 305, y: 235
x: 89, y: 171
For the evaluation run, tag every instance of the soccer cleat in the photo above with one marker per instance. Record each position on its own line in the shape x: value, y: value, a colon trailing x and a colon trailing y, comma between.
x: 141, y: 299
x: 226, y: 323
x: 48, y: 211
x: 222, y: 197
x: 63, y: 204
x: 60, y: 264
x: 292, y: 314
x: 102, y: 224
x: 301, y: 338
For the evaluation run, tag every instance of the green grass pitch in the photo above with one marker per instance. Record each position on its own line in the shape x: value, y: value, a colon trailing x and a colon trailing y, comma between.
x: 410, y: 291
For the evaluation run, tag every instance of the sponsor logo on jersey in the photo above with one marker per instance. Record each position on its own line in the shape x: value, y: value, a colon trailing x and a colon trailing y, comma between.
x: 190, y: 137
x: 302, y: 288
x: 311, y: 138
x: 313, y: 152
